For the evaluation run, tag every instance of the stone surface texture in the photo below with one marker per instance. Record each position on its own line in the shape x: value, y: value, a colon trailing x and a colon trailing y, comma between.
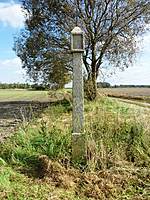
x: 78, y: 94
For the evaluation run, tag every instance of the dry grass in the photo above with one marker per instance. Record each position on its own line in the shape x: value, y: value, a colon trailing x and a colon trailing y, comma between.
x: 117, y: 160
x: 100, y: 185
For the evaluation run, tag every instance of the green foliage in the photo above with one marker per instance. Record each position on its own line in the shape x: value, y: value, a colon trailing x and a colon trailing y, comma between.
x: 110, y: 28
x: 26, y: 146
x: 14, y: 185
x: 103, y: 85
x: 131, y: 86
x: 116, y: 143
x: 90, y: 89
x: 15, y: 85
x: 54, y: 143
x: 28, y: 143
x: 116, y: 136
x: 24, y: 86
x: 2, y: 162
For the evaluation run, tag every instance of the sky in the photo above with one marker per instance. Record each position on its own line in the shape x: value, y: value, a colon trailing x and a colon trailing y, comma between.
x: 12, y: 21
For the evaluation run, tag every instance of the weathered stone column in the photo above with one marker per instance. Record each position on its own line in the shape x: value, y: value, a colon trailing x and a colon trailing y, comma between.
x: 78, y: 94
x: 78, y: 141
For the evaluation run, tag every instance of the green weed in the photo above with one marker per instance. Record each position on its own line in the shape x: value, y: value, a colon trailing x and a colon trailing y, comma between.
x: 116, y: 142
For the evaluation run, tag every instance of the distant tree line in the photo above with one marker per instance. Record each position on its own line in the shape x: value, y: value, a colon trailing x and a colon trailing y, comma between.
x: 103, y: 85
x: 131, y: 86
x: 23, y: 86
x: 47, y: 87
x: 108, y: 85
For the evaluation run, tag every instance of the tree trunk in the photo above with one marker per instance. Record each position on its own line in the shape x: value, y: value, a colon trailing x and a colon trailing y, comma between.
x: 90, y: 83
x: 91, y: 88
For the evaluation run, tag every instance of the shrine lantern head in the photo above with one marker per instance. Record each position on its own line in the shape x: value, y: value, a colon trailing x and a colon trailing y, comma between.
x: 77, y: 40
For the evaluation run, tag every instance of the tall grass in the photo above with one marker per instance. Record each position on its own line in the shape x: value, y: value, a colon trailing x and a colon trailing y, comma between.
x: 113, y: 141
x: 113, y: 137
x: 38, y: 138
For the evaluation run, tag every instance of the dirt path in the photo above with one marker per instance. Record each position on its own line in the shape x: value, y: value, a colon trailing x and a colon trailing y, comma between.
x: 137, y: 103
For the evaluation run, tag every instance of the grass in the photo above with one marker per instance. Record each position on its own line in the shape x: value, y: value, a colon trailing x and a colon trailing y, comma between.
x: 22, y: 95
x: 38, y: 157
x: 14, y: 185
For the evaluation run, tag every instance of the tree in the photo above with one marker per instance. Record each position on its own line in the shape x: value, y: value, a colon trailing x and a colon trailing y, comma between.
x: 44, y: 62
x: 103, y: 85
x: 111, y: 28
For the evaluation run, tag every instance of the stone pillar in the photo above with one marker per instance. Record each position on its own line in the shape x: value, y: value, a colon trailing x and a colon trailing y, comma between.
x: 78, y: 140
x: 77, y: 49
x: 78, y: 94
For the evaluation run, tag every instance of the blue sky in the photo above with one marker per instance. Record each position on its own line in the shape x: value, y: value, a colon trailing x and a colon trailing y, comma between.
x: 11, y: 21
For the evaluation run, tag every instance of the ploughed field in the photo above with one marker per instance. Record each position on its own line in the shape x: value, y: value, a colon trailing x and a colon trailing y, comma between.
x: 139, y: 94
x: 19, y: 105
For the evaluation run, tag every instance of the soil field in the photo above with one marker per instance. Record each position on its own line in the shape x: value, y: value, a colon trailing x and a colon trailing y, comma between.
x: 13, y: 113
x: 17, y: 106
x: 22, y: 105
x: 140, y: 94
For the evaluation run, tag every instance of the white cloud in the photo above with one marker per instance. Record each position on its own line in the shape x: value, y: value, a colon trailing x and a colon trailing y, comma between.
x: 11, y: 14
x: 14, y: 62
x: 11, y: 71
x: 137, y: 74
x: 146, y: 43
